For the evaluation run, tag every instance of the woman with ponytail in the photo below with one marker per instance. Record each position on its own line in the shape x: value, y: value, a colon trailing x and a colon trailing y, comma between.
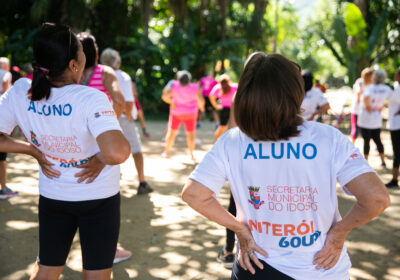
x: 68, y: 126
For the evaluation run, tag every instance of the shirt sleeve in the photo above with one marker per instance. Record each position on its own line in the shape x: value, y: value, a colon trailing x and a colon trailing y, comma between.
x: 348, y: 161
x: 215, y: 90
x: 101, y: 116
x: 8, y: 120
x: 169, y: 85
x: 211, y: 171
x: 7, y: 77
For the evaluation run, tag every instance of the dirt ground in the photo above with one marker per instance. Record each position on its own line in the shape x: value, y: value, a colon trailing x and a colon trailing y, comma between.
x: 167, y: 238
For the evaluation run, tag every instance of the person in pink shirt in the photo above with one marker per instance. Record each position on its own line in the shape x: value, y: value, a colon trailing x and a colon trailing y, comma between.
x: 206, y: 85
x: 185, y: 101
x: 224, y: 92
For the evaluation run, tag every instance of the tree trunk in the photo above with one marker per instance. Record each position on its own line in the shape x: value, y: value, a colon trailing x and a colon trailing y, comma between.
x: 179, y: 9
x: 223, y: 4
x: 363, y: 6
x: 145, y: 6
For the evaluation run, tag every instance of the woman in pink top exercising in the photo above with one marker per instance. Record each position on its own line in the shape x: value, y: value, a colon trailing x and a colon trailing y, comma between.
x: 185, y: 101
x: 224, y: 92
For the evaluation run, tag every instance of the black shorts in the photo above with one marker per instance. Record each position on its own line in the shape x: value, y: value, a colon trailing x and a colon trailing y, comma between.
x: 98, y: 222
x: 3, y: 156
x: 238, y: 273
x: 224, y: 116
x: 208, y: 107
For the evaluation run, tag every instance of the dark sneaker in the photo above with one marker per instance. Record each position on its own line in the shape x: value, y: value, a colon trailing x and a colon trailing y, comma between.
x: 392, y: 184
x: 226, y: 259
x: 7, y: 192
x: 144, y: 188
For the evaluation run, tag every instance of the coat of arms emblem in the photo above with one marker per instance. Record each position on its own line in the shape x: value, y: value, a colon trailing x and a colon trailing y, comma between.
x: 255, y: 199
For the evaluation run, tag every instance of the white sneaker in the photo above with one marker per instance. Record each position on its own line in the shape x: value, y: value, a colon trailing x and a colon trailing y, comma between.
x: 122, y: 255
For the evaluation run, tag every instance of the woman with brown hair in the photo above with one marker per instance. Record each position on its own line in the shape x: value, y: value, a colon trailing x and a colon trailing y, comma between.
x: 224, y: 92
x: 282, y: 171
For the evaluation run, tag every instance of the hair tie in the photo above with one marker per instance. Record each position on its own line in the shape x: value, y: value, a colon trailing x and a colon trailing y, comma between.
x: 43, y: 70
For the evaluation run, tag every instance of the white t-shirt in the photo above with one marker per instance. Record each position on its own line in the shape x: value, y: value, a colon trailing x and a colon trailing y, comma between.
x: 285, y: 191
x: 64, y: 128
x: 356, y: 106
x: 125, y: 84
x: 394, y: 108
x: 5, y: 77
x: 377, y: 96
x: 312, y: 99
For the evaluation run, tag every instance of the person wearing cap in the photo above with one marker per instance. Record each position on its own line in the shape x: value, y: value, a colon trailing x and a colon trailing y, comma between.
x: 185, y: 100
x: 224, y: 92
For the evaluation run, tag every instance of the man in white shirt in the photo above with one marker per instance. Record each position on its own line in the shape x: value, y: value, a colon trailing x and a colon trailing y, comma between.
x: 112, y: 58
x: 5, y: 84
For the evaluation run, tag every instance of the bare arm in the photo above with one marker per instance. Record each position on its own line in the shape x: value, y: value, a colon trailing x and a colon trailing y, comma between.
x: 202, y: 199
x: 372, y: 199
x: 200, y: 101
x: 214, y: 102
x: 11, y: 145
x: 128, y: 111
x: 114, y: 148
x: 110, y: 83
x: 134, y: 90
x: 5, y: 86
x: 367, y: 104
x: 322, y: 110
x: 167, y: 97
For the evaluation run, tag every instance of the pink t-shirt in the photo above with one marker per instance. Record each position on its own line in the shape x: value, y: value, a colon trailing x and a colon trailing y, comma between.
x: 184, y: 98
x: 207, y: 84
x: 224, y: 99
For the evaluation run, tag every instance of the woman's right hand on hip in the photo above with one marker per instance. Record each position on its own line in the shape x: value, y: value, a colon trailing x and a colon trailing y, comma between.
x: 247, y: 250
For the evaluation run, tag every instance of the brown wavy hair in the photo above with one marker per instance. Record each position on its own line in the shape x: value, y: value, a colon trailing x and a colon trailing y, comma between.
x: 268, y: 99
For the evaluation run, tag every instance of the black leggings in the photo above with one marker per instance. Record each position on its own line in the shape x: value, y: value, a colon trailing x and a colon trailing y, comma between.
x: 230, y: 235
x: 374, y: 134
x: 238, y: 273
x: 395, y: 135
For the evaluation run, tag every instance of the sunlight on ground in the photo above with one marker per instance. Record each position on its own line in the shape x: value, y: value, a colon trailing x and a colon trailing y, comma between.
x: 21, y: 225
x: 169, y: 240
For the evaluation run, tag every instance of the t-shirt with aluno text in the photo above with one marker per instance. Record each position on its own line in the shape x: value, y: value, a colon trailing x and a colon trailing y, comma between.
x: 285, y: 192
x: 64, y: 127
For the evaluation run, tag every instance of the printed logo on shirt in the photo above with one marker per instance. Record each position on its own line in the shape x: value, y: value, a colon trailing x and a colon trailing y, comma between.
x: 68, y: 163
x: 34, y: 140
x: 293, y: 236
x: 104, y: 113
x: 353, y: 156
x: 60, y: 144
x: 50, y: 110
x: 255, y: 197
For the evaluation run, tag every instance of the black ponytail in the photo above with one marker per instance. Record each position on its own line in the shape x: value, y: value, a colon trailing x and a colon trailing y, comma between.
x: 53, y: 48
